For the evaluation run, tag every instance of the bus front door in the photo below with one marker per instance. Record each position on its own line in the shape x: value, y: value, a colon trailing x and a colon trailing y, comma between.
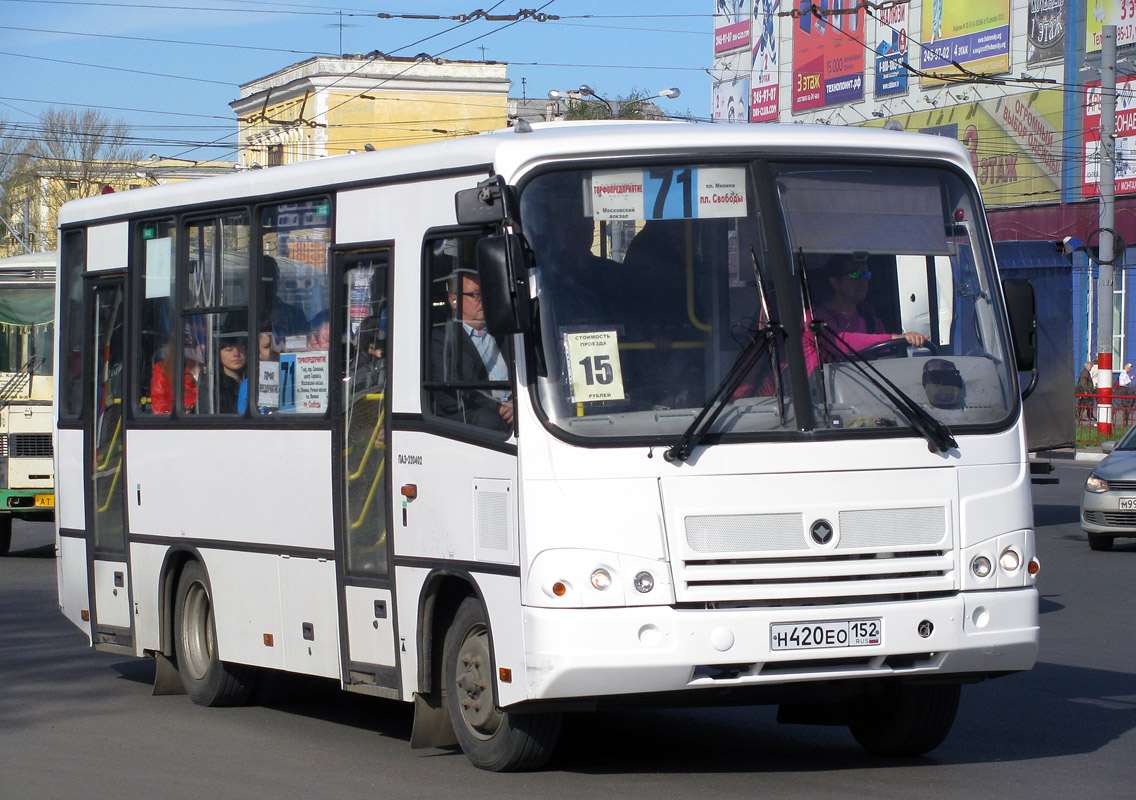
x: 364, y: 546
x: 111, y: 620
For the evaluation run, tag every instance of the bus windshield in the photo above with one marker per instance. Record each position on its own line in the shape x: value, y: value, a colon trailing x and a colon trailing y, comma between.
x: 665, y: 292
x: 27, y: 329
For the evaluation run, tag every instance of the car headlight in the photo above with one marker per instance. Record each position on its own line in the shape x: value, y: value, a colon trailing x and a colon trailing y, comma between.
x: 1096, y: 485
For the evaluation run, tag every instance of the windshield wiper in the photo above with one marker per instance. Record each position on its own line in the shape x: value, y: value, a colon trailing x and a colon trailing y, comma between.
x: 938, y: 435
x: 681, y: 449
x: 762, y: 338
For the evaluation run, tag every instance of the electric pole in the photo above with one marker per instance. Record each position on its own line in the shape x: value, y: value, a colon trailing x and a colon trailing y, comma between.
x: 1105, y: 295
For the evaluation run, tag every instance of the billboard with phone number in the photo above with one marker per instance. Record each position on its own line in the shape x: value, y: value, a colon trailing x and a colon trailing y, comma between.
x: 828, y: 58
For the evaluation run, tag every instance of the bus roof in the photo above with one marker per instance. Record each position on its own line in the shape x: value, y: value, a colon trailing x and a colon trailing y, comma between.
x: 47, y: 259
x: 510, y: 153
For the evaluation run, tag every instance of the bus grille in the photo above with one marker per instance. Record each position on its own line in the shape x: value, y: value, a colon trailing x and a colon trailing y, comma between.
x: 26, y: 445
x: 766, y: 558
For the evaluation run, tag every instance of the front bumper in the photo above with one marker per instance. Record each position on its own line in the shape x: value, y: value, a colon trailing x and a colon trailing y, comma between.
x: 601, y: 652
x: 1100, y: 514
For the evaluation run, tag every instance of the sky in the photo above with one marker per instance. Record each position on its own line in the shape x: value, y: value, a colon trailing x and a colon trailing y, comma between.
x: 170, y: 68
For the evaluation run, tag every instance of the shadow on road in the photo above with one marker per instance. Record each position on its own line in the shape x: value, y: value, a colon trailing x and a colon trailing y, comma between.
x: 43, y: 551
x: 1054, y: 514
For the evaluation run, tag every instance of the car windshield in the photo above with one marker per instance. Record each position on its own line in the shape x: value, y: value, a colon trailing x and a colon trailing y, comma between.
x: 654, y: 282
x: 1128, y: 442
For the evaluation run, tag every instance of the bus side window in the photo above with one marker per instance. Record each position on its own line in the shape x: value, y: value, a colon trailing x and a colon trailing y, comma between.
x: 467, y: 369
x: 157, y: 243
x: 215, y: 330
x: 293, y: 335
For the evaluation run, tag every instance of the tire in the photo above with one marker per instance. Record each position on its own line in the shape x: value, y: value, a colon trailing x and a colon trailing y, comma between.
x: 495, y: 740
x: 5, y: 534
x: 907, y: 720
x: 207, y: 680
x: 1099, y: 542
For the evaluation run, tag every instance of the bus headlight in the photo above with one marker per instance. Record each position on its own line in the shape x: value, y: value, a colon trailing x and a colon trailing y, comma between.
x: 981, y: 566
x: 601, y: 579
x: 1009, y: 560
x: 644, y: 582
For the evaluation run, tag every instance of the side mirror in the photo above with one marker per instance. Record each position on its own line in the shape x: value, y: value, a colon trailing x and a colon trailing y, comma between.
x: 501, y: 268
x: 488, y: 204
x: 1021, y: 305
x: 1107, y: 447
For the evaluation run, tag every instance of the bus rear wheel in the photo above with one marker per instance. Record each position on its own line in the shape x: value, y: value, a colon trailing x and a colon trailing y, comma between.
x: 207, y: 680
x: 493, y: 739
x: 907, y: 719
x: 5, y: 534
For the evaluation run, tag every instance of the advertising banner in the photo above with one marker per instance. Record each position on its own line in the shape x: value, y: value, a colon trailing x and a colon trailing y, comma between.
x: 828, y: 59
x: 1015, y: 143
x: 972, y: 33
x: 730, y: 99
x: 1125, y: 156
x: 1121, y: 13
x: 1046, y: 39
x: 731, y: 25
x: 763, y: 77
x: 891, y: 50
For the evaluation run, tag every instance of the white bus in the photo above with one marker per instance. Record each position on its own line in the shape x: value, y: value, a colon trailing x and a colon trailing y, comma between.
x: 543, y: 420
x: 27, y: 347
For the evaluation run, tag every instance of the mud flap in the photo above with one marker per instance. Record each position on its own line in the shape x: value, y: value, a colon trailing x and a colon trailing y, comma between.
x: 432, y: 726
x: 167, y: 679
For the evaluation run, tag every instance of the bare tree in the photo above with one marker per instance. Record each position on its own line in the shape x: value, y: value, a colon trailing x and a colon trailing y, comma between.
x: 82, y: 150
x: 11, y: 147
x: 73, y: 154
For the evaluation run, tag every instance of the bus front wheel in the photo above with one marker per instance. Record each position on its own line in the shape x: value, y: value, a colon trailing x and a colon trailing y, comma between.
x: 493, y: 739
x: 907, y: 719
x: 207, y: 680
x: 5, y: 534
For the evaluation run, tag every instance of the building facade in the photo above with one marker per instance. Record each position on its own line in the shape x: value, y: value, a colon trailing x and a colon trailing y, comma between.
x: 329, y: 106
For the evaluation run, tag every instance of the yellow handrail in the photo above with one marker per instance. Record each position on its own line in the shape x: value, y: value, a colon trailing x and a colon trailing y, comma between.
x: 653, y: 346
x: 374, y: 436
x: 371, y: 495
x: 113, y: 483
x: 114, y: 438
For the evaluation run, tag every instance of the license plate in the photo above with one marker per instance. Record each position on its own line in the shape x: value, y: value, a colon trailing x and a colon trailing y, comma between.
x: 45, y: 501
x: 832, y: 633
x: 1126, y: 504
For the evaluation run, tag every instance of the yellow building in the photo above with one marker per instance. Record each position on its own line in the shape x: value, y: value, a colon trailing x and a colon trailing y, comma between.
x: 332, y: 105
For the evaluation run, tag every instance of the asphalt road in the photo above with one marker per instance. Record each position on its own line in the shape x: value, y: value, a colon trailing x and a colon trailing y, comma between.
x: 76, y: 723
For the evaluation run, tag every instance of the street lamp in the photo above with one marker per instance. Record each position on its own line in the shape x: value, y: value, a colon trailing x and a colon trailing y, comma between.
x: 612, y: 113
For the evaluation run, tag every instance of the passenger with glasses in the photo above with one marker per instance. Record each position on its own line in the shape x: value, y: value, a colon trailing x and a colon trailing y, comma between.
x: 845, y: 313
x: 463, y: 351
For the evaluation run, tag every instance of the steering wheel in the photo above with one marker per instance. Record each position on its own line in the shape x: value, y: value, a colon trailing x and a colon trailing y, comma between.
x: 897, y: 348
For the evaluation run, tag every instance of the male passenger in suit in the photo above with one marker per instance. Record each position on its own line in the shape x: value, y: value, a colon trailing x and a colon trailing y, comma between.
x: 463, y: 352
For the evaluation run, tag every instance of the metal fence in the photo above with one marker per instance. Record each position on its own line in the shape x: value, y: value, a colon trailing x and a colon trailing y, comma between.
x: 1123, y: 418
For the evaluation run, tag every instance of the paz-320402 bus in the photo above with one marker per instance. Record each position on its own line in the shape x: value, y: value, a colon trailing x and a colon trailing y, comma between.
x: 547, y: 419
